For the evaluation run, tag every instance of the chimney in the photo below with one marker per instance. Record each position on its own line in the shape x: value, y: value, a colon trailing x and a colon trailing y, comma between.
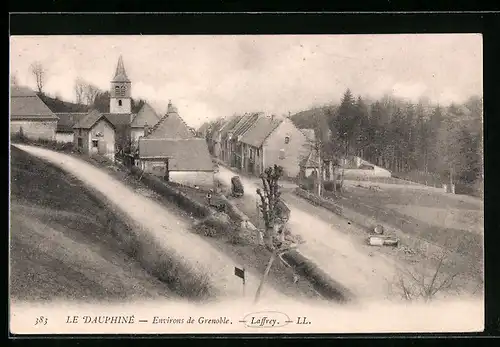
x: 146, y: 129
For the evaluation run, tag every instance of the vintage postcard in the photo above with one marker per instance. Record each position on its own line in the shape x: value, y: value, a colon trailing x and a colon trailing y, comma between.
x: 246, y: 184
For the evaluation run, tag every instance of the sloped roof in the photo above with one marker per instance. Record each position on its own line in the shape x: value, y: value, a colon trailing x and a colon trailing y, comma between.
x: 183, y: 154
x: 19, y: 91
x: 245, y: 123
x: 68, y: 120
x: 229, y: 125
x: 119, y: 119
x: 120, y: 74
x: 91, y: 119
x: 146, y: 115
x: 171, y: 126
x: 260, y: 130
x: 25, y: 104
x: 216, y: 127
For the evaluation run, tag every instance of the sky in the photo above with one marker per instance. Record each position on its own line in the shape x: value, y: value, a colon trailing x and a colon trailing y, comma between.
x: 207, y: 77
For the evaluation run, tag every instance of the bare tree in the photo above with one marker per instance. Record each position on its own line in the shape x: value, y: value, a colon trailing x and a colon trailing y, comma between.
x: 80, y: 87
x: 276, y: 215
x: 422, y: 283
x: 90, y: 93
x: 40, y: 74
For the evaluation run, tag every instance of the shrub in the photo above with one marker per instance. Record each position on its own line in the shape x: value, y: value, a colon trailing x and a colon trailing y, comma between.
x: 419, y: 284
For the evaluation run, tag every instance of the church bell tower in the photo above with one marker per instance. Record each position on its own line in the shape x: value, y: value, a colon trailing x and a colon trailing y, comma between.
x: 120, y: 101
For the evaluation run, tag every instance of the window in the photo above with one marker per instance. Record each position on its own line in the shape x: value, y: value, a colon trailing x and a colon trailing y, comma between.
x: 282, y: 154
x: 80, y: 142
x: 122, y: 91
x: 117, y: 90
x: 287, y: 140
x: 95, y: 143
x: 119, y: 102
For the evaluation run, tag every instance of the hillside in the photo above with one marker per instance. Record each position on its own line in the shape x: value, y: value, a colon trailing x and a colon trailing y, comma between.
x: 308, y: 119
x: 62, y: 243
x: 101, y: 103
x: 57, y: 105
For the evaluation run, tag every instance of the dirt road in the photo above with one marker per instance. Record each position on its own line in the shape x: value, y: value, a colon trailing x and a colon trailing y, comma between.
x: 335, y: 252
x: 170, y: 233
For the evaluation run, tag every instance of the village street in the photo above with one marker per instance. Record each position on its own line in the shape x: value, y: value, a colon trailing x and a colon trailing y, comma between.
x: 328, y: 243
x: 169, y: 232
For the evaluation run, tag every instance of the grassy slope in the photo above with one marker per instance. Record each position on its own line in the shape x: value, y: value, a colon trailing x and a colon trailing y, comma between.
x: 60, y: 242
x: 243, y: 249
x: 389, y: 205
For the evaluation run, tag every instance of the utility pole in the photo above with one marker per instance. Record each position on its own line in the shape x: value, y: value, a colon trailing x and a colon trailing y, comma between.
x: 345, y: 163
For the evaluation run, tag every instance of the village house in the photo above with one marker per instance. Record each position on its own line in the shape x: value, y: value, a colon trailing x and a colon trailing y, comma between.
x: 183, y: 161
x: 170, y: 126
x: 203, y: 130
x: 30, y: 116
x: 272, y: 140
x: 64, y: 131
x: 95, y: 134
x: 170, y: 150
x: 254, y: 141
x: 225, y: 140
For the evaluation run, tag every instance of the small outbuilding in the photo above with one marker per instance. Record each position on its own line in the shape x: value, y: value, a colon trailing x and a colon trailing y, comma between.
x: 183, y: 161
x: 95, y: 134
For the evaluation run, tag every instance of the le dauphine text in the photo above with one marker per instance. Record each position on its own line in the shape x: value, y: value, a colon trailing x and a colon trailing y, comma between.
x: 132, y: 319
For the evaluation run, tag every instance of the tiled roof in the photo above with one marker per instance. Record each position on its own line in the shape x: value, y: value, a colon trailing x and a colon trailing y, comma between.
x: 245, y: 123
x: 120, y: 74
x: 146, y: 115
x: 25, y: 104
x: 216, y: 127
x: 184, y: 154
x: 170, y: 126
x: 229, y: 125
x: 67, y: 120
x: 119, y: 119
x: 17, y: 91
x: 260, y: 130
x: 90, y: 120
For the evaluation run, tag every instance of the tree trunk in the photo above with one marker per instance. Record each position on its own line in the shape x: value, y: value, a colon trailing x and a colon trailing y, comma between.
x: 320, y: 173
x: 269, y: 237
x: 264, y: 277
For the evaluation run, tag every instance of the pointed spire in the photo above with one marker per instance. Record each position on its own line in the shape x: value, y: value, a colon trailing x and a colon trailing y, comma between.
x: 171, y: 108
x: 120, y: 74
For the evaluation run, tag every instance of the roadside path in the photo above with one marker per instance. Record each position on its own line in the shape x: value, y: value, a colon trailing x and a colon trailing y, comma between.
x: 366, y: 274
x: 169, y: 231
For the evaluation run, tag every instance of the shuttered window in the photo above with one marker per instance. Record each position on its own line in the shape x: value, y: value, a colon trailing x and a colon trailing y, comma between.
x: 282, y: 154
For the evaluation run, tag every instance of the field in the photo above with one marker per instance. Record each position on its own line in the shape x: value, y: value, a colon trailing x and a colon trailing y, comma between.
x: 454, y: 222
x: 61, y: 241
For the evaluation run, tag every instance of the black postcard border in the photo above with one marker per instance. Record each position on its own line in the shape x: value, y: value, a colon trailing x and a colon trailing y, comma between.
x: 486, y: 23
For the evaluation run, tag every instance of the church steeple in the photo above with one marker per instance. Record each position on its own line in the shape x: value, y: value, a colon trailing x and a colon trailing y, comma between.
x: 120, y: 74
x: 120, y: 101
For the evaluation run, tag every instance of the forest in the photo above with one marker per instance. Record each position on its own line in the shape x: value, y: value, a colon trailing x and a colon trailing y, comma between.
x: 421, y: 141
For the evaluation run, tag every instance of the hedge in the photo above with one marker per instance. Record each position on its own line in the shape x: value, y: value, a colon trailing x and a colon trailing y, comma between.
x: 329, y: 205
x: 321, y: 281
